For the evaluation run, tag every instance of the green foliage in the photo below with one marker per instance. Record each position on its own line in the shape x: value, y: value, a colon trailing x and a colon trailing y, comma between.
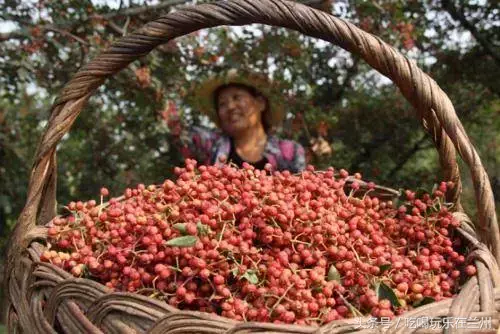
x: 385, y: 292
x: 122, y: 137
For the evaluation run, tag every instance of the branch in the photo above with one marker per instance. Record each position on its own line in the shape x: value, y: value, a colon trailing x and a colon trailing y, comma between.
x: 128, y: 12
x: 351, y: 72
x: 116, y: 28
x: 140, y: 10
x: 417, y: 147
x: 19, y: 34
x: 368, y: 150
x: 68, y: 34
x: 459, y: 16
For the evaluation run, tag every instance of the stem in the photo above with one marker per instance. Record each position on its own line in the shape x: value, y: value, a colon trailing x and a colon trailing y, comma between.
x: 221, y: 234
x: 187, y: 281
x: 177, y: 266
x: 301, y: 242
x: 280, y: 299
x: 355, y: 253
x: 154, y: 282
x: 100, y: 206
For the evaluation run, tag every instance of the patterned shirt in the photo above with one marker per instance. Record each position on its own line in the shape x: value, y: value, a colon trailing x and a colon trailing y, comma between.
x: 208, y: 147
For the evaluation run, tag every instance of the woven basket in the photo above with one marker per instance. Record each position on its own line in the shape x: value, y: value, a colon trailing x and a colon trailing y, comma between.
x: 45, y: 299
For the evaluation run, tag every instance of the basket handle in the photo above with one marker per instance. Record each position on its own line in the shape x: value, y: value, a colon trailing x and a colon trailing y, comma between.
x: 433, y: 107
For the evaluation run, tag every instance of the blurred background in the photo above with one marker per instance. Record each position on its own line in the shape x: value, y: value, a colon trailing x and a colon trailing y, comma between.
x: 344, y: 113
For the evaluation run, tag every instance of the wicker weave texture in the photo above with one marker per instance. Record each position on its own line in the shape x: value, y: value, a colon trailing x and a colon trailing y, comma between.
x: 46, y: 299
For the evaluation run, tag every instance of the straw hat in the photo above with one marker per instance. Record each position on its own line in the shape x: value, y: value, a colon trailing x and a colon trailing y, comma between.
x: 202, y: 97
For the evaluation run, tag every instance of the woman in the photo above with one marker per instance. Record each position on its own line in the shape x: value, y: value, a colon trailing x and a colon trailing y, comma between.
x: 246, y: 110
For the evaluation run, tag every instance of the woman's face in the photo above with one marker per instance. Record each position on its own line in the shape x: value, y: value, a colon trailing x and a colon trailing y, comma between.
x: 239, y: 110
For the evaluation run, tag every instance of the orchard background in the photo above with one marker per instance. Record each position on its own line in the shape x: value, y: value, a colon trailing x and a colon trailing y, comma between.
x: 123, y: 136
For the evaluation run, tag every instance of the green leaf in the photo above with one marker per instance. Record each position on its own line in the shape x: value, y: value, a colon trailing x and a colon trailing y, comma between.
x: 317, y: 288
x: 5, y: 203
x: 251, y: 276
x: 424, y: 301
x: 186, y: 241
x: 181, y: 227
x: 396, y: 202
x: 385, y: 292
x: 420, y: 192
x: 385, y: 267
x: 202, y: 229
x: 235, y: 271
x: 333, y: 274
x: 428, y: 211
x: 401, y: 199
x: 85, y: 271
x: 175, y: 268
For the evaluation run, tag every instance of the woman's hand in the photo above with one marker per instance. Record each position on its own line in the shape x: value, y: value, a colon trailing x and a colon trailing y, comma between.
x: 321, y: 147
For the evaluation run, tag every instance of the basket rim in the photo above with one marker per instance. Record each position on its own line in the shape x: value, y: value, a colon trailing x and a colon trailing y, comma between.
x: 434, y: 108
